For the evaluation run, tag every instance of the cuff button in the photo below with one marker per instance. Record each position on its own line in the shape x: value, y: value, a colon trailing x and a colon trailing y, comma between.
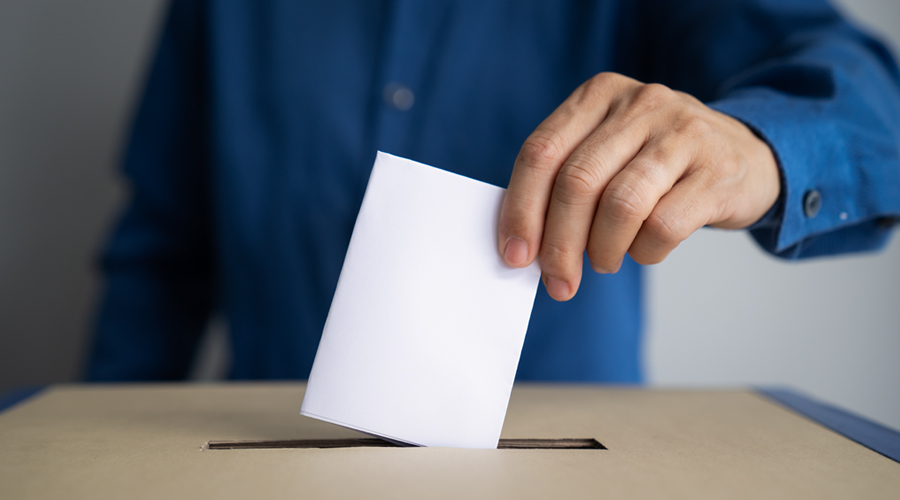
x: 812, y: 202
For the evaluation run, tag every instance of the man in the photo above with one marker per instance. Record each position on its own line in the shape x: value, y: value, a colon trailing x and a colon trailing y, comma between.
x: 253, y: 143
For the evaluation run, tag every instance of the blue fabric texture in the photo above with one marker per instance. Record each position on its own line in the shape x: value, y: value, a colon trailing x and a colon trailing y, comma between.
x: 259, y: 124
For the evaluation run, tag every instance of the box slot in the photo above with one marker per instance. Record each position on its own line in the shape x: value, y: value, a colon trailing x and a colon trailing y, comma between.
x: 505, y: 444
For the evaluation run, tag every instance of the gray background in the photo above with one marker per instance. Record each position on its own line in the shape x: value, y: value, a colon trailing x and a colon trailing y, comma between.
x: 721, y: 312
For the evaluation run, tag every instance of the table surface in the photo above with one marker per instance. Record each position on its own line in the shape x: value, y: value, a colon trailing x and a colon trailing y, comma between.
x: 147, y: 441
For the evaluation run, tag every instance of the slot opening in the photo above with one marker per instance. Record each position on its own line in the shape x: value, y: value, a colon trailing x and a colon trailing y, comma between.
x: 505, y: 444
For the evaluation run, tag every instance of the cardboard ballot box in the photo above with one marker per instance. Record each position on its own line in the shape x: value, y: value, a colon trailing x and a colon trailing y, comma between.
x: 153, y: 441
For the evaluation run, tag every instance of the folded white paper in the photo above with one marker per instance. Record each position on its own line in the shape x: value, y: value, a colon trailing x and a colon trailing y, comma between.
x: 426, y: 326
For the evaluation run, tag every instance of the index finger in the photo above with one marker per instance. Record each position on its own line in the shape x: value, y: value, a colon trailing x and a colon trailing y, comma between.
x: 542, y: 155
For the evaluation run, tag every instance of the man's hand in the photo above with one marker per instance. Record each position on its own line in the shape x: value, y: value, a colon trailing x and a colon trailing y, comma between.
x: 622, y: 167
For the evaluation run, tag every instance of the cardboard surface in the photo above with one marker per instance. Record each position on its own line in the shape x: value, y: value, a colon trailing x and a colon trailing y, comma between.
x: 147, y: 442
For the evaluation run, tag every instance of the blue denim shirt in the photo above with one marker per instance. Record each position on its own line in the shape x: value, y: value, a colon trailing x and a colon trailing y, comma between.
x: 253, y: 142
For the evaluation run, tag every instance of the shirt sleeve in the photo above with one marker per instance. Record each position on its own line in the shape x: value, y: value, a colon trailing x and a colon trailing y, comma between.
x: 824, y: 95
x: 158, y: 263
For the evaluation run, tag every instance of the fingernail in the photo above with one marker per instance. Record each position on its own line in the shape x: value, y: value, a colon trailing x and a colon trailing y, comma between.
x: 516, y: 252
x: 558, y: 289
x: 601, y: 270
x: 606, y: 270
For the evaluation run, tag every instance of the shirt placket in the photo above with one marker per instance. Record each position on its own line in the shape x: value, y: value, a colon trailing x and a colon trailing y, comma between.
x: 412, y: 28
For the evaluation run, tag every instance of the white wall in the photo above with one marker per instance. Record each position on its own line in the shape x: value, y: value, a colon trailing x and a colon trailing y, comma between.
x: 722, y: 313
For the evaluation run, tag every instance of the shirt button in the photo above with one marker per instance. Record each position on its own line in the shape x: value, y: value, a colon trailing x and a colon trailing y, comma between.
x: 399, y: 96
x: 812, y: 202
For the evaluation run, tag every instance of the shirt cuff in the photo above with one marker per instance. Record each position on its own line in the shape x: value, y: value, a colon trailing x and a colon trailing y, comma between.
x: 815, y: 196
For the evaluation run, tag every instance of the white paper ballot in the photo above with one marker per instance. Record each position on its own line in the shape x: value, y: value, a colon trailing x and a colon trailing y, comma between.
x: 426, y: 327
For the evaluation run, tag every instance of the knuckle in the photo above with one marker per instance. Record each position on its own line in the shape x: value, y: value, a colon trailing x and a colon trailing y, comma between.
x: 518, y: 217
x: 666, y: 231
x: 601, y: 85
x: 649, y: 168
x: 576, y: 181
x: 606, y: 77
x: 523, y: 210
x: 555, y: 255
x: 694, y: 126
x: 654, y: 94
x: 541, y: 149
x: 623, y: 201
x: 602, y: 81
